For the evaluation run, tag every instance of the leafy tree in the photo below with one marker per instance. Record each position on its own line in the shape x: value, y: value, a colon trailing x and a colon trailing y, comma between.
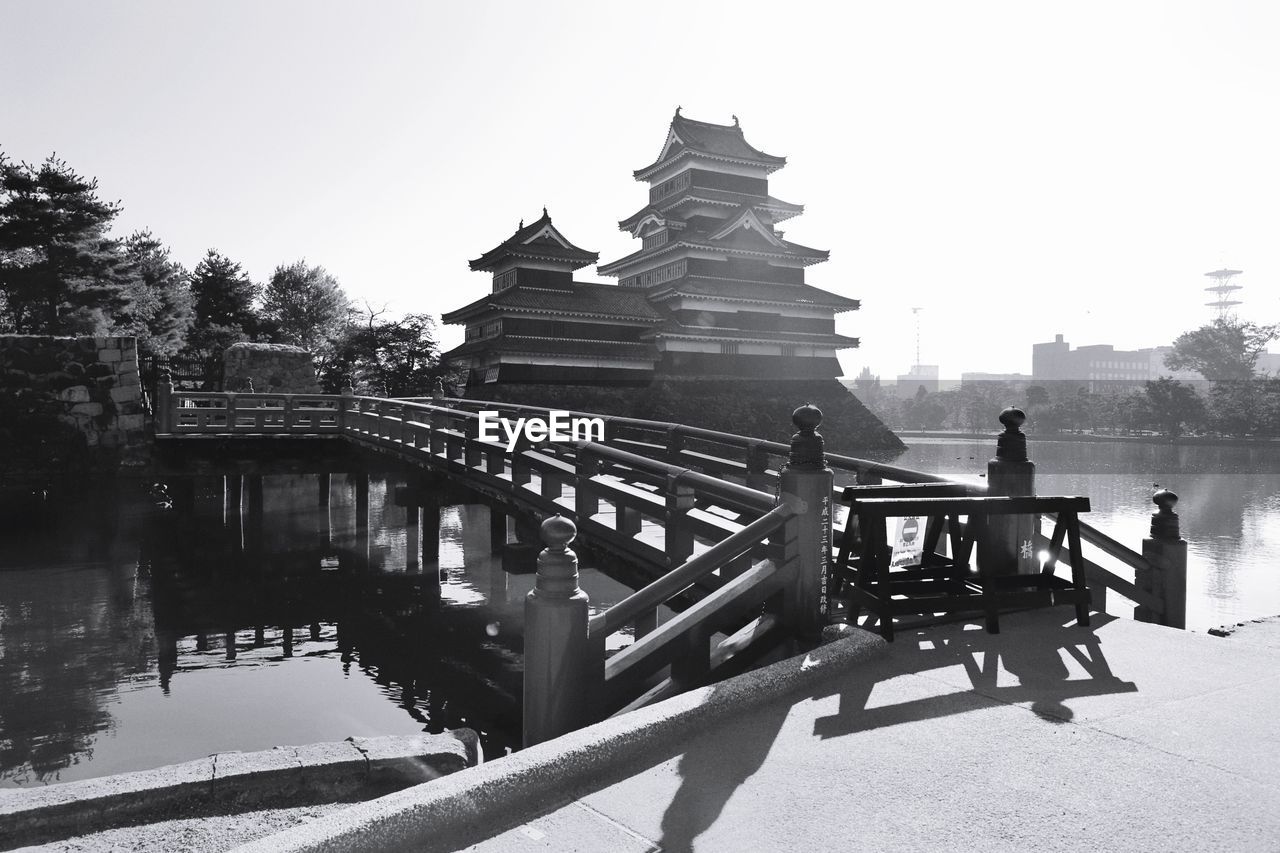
x: 1238, y: 408
x: 1037, y: 395
x: 1227, y: 348
x: 159, y: 311
x: 305, y: 305
x: 397, y: 357
x: 925, y: 410
x: 1172, y: 405
x: 222, y: 298
x: 60, y: 273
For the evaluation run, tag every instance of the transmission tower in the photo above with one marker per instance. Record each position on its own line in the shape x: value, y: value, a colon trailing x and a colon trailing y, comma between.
x: 916, y: 313
x: 1222, y: 290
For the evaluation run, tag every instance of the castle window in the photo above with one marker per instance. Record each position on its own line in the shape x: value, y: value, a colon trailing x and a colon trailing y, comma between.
x: 788, y: 350
x: 729, y: 348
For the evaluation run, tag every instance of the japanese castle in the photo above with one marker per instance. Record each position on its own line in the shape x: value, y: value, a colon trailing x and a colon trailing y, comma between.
x: 714, y: 291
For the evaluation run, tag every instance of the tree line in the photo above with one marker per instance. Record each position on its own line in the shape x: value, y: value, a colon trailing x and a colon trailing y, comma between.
x: 1232, y: 399
x: 63, y: 272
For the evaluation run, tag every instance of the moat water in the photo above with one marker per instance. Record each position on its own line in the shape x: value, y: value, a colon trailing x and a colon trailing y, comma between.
x: 132, y: 637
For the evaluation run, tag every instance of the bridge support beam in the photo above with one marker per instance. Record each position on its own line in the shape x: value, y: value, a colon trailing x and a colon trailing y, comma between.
x: 497, y: 529
x: 806, y: 486
x: 323, y: 482
x: 361, y: 483
x: 232, y: 488
x: 431, y: 532
x: 558, y: 663
x: 1009, y: 547
x: 182, y: 490
x: 253, y: 533
x: 412, y: 543
x: 1166, y: 551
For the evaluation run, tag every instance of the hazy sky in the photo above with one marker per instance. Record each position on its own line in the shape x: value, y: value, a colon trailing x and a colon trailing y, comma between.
x: 1017, y: 169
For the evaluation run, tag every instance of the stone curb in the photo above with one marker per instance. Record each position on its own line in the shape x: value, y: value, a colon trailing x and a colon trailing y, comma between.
x: 229, y: 782
x: 473, y: 805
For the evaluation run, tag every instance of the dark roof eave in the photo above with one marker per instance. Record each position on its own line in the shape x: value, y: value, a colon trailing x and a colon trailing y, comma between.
x: 770, y: 165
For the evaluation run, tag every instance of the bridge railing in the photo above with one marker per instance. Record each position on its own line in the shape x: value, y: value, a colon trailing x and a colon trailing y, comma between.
x: 213, y: 413
x: 645, y: 507
x: 1154, y: 580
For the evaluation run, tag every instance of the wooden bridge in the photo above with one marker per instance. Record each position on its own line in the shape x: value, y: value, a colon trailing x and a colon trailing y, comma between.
x: 737, y: 533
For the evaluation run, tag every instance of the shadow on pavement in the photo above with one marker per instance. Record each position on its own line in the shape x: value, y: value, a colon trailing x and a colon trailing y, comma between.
x: 1034, y: 657
x: 710, y: 775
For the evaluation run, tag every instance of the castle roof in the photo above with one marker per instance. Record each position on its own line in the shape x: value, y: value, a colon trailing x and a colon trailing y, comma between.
x: 539, y: 241
x: 687, y: 137
x: 583, y: 299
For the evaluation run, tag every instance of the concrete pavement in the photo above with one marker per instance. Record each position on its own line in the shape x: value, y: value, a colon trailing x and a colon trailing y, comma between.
x: 1124, y: 736
x: 1120, y: 737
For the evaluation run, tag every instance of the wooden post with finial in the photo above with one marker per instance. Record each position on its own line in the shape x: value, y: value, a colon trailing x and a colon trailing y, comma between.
x: 1010, y: 542
x: 164, y: 403
x: 1166, y: 552
x: 806, y: 485
x: 347, y: 395
x: 557, y: 654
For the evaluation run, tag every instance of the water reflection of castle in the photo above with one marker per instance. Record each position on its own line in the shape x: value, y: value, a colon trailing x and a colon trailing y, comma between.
x: 714, y: 290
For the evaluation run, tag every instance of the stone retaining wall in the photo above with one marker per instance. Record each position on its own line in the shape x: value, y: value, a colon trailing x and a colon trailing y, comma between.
x: 272, y: 367
x: 64, y: 400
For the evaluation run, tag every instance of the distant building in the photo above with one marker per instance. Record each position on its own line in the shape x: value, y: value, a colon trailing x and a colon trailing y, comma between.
x: 1101, y: 366
x: 1268, y: 363
x: 1014, y: 379
x: 920, y: 376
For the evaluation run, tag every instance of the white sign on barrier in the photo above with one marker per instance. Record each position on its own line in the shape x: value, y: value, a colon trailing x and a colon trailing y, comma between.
x: 908, y: 542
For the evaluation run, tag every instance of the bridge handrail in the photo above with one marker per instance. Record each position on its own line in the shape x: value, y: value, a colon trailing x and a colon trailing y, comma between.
x: 290, y: 412
x: 753, y: 498
x: 714, y: 486
x: 1088, y: 532
x: 659, y: 591
x: 776, y: 448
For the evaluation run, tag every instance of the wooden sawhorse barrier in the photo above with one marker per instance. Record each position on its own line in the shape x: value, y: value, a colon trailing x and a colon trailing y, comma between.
x: 943, y: 583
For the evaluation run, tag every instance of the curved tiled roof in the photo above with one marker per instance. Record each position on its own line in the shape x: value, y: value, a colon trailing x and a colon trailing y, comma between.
x: 528, y: 345
x: 523, y: 244
x: 717, y: 140
x: 680, y: 331
x: 585, y: 298
x: 784, y: 294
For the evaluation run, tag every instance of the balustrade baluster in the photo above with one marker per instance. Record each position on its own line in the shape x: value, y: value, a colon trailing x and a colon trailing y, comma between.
x: 627, y: 520
x: 757, y: 462
x: 679, y: 533
x: 550, y: 486
x: 586, y: 499
x: 521, y: 472
x: 473, y: 449
x: 674, y: 445
x: 165, y: 416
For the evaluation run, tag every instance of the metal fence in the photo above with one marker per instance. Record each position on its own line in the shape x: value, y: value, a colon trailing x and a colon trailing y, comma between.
x: 189, y: 373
